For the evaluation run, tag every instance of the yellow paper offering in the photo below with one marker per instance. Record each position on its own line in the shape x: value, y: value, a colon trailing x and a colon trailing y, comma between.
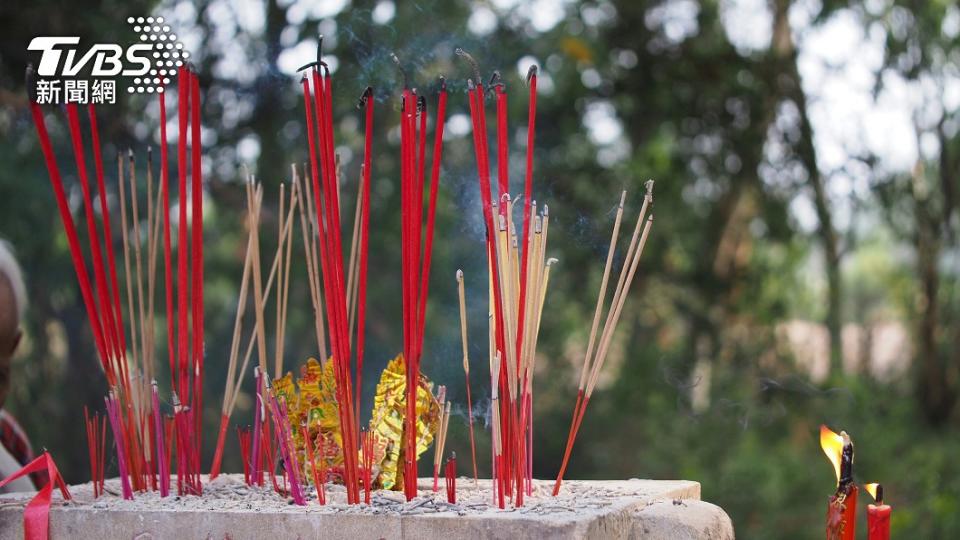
x: 312, y: 403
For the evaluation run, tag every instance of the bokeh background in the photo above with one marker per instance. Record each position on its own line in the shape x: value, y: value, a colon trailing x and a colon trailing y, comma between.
x: 803, y: 267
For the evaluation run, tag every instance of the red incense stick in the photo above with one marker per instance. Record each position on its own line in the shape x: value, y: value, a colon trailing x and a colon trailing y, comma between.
x: 367, y: 101
x: 72, y: 240
x: 105, y: 311
x: 183, y: 100
x: 105, y: 211
x: 165, y: 205
x: 432, y: 206
x: 196, y: 225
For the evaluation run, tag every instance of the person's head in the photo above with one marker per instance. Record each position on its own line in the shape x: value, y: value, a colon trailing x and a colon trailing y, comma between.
x: 13, y: 303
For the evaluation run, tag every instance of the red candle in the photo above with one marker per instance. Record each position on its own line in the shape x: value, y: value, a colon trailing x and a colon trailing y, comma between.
x: 878, y: 515
x: 842, y: 507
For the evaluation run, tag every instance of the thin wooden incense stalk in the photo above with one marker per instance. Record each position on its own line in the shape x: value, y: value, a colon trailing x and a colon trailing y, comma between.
x: 627, y: 273
x: 231, y: 386
x: 585, y: 368
x: 438, y: 447
x: 286, y: 226
x: 311, y: 263
x: 352, y: 266
x: 281, y: 236
x: 153, y: 231
x: 466, y: 368
x: 258, y: 292
x: 288, y: 244
x: 139, y: 271
x: 128, y: 275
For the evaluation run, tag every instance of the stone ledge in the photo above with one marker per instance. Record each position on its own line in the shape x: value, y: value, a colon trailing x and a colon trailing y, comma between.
x: 229, y: 509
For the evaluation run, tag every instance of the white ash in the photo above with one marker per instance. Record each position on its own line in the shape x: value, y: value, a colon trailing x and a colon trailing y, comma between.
x: 229, y: 493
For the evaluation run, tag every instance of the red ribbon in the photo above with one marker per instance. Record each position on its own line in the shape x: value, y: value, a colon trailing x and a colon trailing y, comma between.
x: 36, y: 516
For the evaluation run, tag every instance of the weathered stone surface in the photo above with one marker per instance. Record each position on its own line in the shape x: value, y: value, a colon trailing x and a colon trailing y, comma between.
x: 687, y: 519
x: 230, y: 509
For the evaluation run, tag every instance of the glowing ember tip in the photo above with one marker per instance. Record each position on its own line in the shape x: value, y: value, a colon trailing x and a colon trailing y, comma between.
x: 832, y: 445
x: 531, y: 73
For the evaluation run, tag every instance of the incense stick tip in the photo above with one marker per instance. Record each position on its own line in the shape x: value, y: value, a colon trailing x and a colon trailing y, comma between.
x: 459, y: 275
x: 623, y: 197
x: 649, y: 186
x: 496, y: 80
x: 30, y: 76
x: 403, y: 73
x: 470, y: 60
x: 552, y: 260
x: 443, y: 83
x: 365, y: 96
x: 532, y: 73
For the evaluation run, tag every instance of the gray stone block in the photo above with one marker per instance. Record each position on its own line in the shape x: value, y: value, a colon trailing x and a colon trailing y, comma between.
x: 231, y: 510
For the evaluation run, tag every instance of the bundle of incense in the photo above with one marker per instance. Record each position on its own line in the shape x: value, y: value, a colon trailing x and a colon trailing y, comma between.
x: 593, y: 361
x: 243, y: 436
x: 416, y: 258
x: 129, y: 370
x: 317, y: 482
x: 287, y: 451
x: 259, y: 411
x: 438, y: 449
x: 318, y: 109
x: 518, y: 278
x: 96, y: 433
x: 466, y: 369
x: 113, y: 412
x: 281, y: 268
x: 366, y: 441
x: 450, y: 473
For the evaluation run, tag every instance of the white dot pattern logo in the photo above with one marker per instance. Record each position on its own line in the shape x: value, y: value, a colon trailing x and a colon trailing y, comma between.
x: 168, y: 54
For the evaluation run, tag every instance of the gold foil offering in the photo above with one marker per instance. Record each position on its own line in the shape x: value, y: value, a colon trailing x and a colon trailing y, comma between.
x: 312, y: 403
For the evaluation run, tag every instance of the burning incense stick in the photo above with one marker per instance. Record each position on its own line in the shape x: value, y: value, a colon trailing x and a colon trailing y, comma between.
x: 627, y: 273
x: 233, y: 382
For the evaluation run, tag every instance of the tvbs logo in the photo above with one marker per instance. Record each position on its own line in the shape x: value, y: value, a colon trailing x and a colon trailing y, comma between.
x: 60, y: 58
x: 65, y: 67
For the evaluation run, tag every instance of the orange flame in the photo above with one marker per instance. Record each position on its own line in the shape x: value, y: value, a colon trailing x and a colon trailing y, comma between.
x: 832, y: 445
x: 872, y: 489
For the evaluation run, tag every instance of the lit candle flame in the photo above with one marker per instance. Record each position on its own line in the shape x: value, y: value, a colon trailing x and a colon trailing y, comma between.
x: 872, y: 489
x: 832, y: 445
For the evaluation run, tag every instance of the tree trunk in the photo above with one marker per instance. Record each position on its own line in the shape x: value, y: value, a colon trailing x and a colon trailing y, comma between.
x: 786, y: 53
